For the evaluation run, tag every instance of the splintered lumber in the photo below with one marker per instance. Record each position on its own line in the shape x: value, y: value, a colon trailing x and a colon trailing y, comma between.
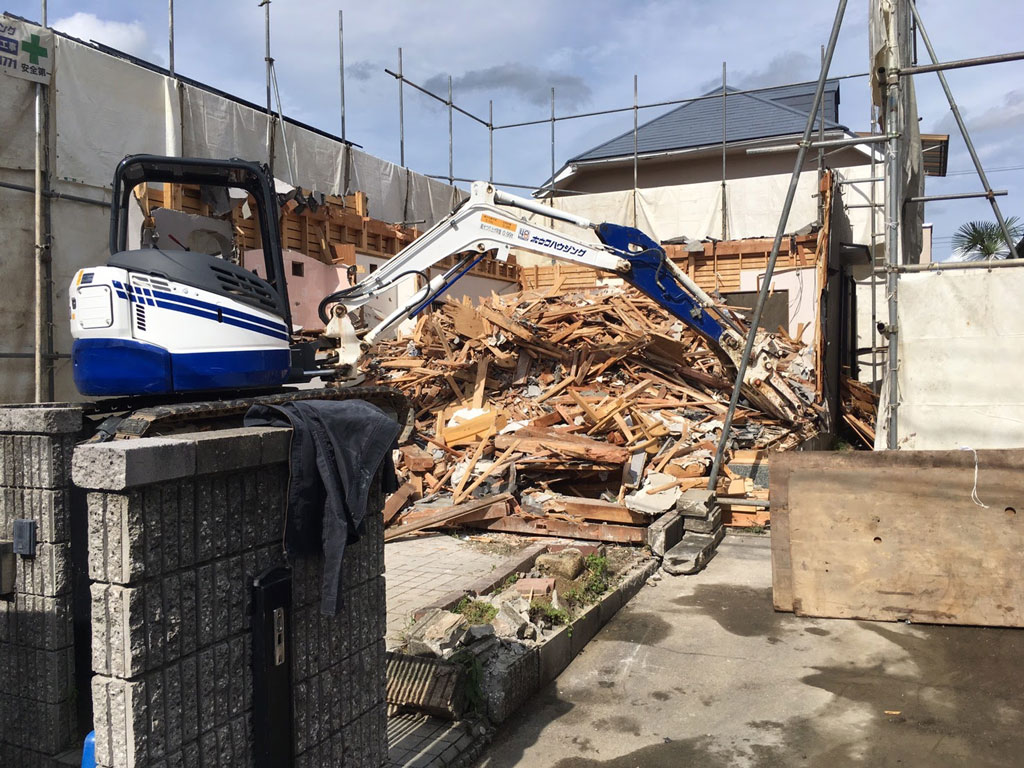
x: 416, y: 459
x: 542, y: 440
x: 499, y: 463
x: 470, y: 431
x: 469, y: 470
x: 498, y: 509
x: 397, y: 500
x: 448, y: 515
x: 480, y: 385
x: 549, y: 526
x: 583, y: 395
x: 859, y: 406
x: 594, y: 510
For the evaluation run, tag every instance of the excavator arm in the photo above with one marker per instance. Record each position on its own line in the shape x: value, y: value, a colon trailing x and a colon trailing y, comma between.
x: 485, y: 224
x: 479, y: 226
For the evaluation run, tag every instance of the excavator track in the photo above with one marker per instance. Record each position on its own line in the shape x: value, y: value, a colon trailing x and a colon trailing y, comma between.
x: 124, y: 423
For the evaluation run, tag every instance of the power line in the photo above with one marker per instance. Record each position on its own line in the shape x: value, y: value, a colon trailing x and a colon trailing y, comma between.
x: 972, y: 171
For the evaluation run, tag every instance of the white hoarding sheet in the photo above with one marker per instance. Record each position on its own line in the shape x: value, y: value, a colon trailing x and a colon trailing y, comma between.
x: 17, y: 125
x: 960, y: 362
x: 106, y: 108
x: 694, y: 211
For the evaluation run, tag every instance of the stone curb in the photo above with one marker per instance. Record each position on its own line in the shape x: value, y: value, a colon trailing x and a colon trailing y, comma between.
x: 554, y: 658
x: 555, y: 653
x: 558, y: 651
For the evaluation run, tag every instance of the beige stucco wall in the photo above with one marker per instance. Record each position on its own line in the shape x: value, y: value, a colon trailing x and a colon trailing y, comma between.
x: 697, y: 167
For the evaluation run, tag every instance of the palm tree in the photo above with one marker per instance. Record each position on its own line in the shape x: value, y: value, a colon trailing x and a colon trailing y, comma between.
x: 978, y: 240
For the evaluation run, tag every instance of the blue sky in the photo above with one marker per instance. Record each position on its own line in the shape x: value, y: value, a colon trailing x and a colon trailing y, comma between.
x: 589, y: 50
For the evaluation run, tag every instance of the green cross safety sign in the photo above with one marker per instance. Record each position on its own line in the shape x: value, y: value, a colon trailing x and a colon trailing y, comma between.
x: 34, y: 50
x: 25, y: 51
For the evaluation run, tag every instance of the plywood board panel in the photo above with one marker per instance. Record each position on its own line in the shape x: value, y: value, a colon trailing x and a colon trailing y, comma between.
x: 897, y: 536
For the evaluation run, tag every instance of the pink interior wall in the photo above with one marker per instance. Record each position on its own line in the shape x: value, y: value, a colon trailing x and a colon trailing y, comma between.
x: 304, y: 292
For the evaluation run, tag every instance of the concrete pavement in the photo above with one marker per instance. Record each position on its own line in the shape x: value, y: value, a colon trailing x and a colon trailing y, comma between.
x: 701, y: 671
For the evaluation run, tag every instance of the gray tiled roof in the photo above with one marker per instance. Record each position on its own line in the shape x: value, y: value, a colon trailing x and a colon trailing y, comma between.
x: 779, y: 111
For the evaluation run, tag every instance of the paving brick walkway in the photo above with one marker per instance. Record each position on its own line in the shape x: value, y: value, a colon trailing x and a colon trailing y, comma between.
x: 419, y: 571
x: 417, y: 741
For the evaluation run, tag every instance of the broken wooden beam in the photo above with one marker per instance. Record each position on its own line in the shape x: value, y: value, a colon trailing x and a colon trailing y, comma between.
x: 448, y: 515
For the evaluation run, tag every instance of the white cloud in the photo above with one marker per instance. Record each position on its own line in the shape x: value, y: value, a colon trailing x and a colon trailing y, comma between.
x: 129, y: 36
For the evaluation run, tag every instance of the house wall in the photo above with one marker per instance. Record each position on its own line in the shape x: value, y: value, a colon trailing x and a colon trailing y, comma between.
x: 800, y: 285
x: 694, y: 210
x: 304, y: 291
x: 473, y: 286
x: 696, y: 168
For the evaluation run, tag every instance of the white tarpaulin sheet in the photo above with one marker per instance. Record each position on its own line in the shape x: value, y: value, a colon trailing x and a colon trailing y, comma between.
x: 105, y: 109
x: 694, y: 211
x: 215, y: 126
x: 17, y: 124
x: 960, y: 362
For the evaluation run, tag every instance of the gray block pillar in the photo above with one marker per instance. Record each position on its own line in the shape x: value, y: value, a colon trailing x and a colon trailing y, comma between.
x: 37, y: 660
x: 178, y: 528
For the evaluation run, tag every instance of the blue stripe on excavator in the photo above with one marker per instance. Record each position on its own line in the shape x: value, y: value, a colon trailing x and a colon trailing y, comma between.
x: 653, y: 278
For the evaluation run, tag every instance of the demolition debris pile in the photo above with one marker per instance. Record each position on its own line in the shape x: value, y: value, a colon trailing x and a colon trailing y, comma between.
x: 581, y: 415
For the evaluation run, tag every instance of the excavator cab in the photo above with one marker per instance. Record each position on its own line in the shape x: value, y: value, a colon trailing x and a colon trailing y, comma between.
x: 180, y: 306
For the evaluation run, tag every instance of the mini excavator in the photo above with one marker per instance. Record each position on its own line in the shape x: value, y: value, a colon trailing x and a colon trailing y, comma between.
x: 174, y: 323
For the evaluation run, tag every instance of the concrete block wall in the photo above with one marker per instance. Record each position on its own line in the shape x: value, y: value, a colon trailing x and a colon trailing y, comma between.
x: 38, y: 718
x: 178, y: 528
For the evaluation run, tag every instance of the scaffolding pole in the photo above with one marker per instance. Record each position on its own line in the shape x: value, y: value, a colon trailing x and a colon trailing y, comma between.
x: 941, y: 66
x: 170, y: 37
x: 874, y: 258
x: 284, y: 133
x: 490, y: 141
x: 636, y: 117
x: 341, y: 70
x: 451, y: 136
x: 442, y: 100
x: 401, y: 112
x: 780, y: 232
x: 893, y: 209
x: 821, y: 154
x: 265, y: 4
x: 653, y: 105
x: 551, y: 192
x: 725, y: 220
x: 42, y: 364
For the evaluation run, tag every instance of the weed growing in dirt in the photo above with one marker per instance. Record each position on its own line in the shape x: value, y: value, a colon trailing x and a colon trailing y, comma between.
x: 476, y: 611
x: 542, y: 609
